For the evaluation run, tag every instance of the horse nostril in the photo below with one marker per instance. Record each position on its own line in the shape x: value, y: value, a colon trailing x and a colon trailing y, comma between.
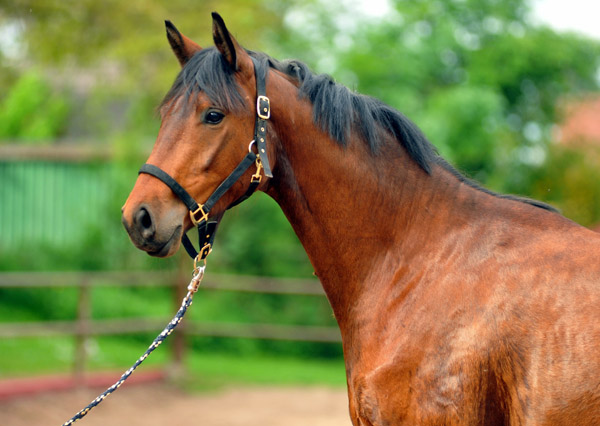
x: 145, y: 223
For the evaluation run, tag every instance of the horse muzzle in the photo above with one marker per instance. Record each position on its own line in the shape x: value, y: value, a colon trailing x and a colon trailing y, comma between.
x: 158, y: 235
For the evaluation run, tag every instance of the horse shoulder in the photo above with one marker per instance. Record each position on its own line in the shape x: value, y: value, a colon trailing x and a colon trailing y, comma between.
x: 434, y: 392
x: 425, y: 371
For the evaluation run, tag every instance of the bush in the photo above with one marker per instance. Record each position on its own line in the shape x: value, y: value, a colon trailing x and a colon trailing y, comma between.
x: 32, y: 112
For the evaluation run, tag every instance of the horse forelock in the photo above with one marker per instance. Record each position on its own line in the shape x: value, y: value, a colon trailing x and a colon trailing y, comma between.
x: 208, y: 72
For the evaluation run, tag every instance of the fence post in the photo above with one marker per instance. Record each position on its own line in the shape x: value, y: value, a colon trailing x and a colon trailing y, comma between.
x: 82, y: 330
x: 179, y: 284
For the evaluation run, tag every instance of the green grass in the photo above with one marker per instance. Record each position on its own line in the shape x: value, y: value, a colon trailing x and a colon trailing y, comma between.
x: 30, y: 356
x: 203, y: 371
x: 210, y: 362
x: 208, y: 371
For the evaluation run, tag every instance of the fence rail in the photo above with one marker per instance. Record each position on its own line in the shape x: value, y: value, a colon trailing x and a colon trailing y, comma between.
x: 84, y: 326
x: 161, y: 279
x: 74, y: 152
x: 196, y: 328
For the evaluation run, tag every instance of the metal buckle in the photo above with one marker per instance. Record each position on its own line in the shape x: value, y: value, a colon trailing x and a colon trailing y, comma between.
x: 204, y: 251
x: 263, y: 107
x: 203, y: 218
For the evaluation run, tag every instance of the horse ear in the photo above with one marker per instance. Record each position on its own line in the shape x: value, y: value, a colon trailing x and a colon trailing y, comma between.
x: 224, y: 41
x: 183, y: 47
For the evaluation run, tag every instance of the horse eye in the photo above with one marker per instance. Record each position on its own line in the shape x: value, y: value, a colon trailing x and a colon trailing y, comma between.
x: 213, y: 117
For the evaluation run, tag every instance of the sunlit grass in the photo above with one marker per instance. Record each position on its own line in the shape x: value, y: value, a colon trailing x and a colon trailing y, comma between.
x: 30, y: 356
x: 215, y: 370
x: 210, y: 362
x: 203, y: 371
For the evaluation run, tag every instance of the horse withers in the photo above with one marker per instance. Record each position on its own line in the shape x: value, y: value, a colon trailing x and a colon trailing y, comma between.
x: 456, y: 305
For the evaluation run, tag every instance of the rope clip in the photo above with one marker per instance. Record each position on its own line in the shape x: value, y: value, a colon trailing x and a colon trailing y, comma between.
x: 197, y: 276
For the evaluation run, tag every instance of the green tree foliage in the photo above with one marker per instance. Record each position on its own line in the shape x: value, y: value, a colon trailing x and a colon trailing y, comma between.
x: 127, y: 39
x: 467, y: 125
x: 477, y: 76
x: 114, y: 54
x: 570, y: 180
x: 31, y: 111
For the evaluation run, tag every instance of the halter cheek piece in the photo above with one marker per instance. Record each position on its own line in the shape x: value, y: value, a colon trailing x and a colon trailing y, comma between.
x: 199, y: 212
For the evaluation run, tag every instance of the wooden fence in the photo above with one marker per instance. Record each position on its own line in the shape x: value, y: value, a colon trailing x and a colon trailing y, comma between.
x: 83, y: 327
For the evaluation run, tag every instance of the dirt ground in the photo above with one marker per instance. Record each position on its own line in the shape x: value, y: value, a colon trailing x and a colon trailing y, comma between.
x: 159, y: 404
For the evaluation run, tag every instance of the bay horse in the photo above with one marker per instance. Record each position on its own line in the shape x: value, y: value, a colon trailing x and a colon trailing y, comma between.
x: 456, y: 305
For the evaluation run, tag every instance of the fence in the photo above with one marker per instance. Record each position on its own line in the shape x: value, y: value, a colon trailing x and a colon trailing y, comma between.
x: 84, y: 326
x: 59, y: 196
x: 54, y: 194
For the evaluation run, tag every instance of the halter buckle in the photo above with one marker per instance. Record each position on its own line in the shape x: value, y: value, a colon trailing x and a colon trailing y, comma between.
x: 263, y: 107
x: 203, y: 217
x: 204, y: 252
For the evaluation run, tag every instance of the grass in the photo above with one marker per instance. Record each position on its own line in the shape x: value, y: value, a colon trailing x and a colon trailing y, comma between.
x: 203, y: 371
x: 29, y: 356
x: 209, y: 371
x: 211, y: 362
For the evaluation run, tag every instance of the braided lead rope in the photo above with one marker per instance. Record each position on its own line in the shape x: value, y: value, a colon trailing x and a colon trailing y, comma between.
x: 185, y: 304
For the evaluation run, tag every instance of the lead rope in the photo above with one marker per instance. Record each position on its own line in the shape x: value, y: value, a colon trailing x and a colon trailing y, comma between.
x: 197, y: 276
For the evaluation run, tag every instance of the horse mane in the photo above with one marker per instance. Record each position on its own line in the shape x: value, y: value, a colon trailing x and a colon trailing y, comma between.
x: 336, y: 109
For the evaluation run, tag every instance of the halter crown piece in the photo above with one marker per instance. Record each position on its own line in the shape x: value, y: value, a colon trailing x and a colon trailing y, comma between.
x: 206, y: 228
x: 199, y: 212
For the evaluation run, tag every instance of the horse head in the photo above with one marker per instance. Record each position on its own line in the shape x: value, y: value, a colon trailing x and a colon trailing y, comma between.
x: 209, y: 123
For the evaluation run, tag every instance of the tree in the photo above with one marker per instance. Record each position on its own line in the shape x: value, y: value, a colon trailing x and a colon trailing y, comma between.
x: 480, y: 79
x: 113, y: 55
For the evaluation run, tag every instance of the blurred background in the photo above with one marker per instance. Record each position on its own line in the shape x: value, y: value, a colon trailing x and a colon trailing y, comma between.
x: 507, y: 90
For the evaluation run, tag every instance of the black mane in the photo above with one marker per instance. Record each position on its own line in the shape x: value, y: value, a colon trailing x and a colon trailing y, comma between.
x: 336, y: 109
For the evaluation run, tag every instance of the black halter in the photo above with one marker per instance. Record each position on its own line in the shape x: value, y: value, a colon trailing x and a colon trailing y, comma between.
x: 199, y: 212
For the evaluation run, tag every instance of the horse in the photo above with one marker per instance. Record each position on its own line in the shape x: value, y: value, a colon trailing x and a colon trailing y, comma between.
x: 456, y: 305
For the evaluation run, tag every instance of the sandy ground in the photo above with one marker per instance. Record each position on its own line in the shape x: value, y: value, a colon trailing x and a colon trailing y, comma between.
x: 159, y: 404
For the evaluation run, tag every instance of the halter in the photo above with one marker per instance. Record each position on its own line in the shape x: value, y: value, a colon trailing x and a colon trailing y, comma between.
x: 199, y: 212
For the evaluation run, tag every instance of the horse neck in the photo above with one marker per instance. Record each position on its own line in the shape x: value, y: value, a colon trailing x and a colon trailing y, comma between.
x: 351, y: 209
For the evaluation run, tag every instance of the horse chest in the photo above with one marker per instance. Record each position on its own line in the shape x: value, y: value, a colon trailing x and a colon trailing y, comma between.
x: 438, y: 377
x: 428, y: 394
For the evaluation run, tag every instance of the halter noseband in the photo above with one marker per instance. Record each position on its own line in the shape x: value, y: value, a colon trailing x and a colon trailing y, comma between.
x: 199, y: 212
